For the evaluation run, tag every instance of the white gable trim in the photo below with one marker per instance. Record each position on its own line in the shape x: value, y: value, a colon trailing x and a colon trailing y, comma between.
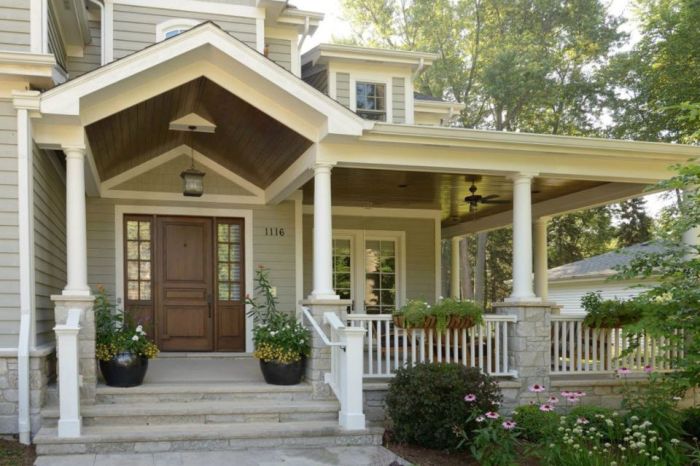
x: 107, y: 187
x: 198, y: 6
x: 66, y: 99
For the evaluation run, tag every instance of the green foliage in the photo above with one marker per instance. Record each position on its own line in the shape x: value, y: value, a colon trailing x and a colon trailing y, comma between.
x: 635, y: 225
x: 115, y: 332
x: 534, y: 424
x: 426, y: 403
x: 579, y: 235
x: 610, y: 313
x: 654, y: 402
x: 277, y: 335
x: 494, y: 445
x: 599, y: 418
x: 415, y: 312
x: 691, y: 422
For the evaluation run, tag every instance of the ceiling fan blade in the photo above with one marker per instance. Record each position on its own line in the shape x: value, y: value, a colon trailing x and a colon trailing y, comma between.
x: 473, y: 198
x: 496, y: 201
x: 490, y: 196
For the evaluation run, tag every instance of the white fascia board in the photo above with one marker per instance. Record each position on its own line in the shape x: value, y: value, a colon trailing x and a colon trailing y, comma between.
x: 293, y: 178
x: 198, y: 6
x: 428, y: 106
x: 335, y: 52
x: 65, y: 99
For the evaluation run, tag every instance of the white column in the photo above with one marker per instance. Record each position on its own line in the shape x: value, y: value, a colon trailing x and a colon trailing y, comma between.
x: 522, y: 239
x: 692, y: 236
x: 540, y: 245
x: 323, y: 234
x: 76, y: 229
x: 454, y: 269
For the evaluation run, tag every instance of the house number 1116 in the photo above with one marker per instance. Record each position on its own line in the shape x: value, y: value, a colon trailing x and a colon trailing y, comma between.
x: 274, y: 231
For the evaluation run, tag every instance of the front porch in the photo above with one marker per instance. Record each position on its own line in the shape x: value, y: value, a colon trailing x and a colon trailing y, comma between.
x: 342, y: 211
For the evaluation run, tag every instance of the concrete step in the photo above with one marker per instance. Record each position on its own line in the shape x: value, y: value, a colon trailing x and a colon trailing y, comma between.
x: 205, y: 437
x: 204, y: 391
x: 198, y: 412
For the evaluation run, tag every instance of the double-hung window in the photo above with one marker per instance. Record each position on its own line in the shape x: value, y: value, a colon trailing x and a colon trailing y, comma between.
x: 370, y: 100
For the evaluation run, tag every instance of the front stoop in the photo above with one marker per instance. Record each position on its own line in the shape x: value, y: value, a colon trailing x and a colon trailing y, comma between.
x: 187, y: 417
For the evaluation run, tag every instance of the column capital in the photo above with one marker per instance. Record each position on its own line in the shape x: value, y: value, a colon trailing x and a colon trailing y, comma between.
x: 74, y: 152
x: 28, y: 100
x: 323, y: 167
x: 523, y: 176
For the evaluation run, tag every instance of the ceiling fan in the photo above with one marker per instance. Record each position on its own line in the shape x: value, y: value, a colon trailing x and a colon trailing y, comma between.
x: 475, y: 199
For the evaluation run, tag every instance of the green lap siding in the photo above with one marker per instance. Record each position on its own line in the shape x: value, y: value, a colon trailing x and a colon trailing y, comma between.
x: 14, y: 26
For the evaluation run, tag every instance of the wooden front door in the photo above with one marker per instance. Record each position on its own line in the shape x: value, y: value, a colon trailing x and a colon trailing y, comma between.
x: 198, y: 297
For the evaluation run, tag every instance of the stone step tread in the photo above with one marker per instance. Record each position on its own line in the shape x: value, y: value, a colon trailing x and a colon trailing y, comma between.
x: 190, y: 432
x: 197, y: 408
x: 202, y: 388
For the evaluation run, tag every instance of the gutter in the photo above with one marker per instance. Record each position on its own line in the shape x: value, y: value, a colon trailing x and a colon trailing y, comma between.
x: 101, y: 6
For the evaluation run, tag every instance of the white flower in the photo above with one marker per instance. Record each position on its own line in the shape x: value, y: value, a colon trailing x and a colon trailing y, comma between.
x: 135, y: 338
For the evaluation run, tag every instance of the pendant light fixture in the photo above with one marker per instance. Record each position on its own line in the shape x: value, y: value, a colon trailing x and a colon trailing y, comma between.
x: 192, y: 179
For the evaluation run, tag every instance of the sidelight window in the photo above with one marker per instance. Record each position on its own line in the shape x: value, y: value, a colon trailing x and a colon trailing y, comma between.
x: 229, y: 241
x: 139, y: 259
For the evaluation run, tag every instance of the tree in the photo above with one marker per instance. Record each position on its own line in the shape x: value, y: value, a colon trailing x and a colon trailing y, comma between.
x: 656, y: 81
x: 575, y: 236
x: 635, y: 225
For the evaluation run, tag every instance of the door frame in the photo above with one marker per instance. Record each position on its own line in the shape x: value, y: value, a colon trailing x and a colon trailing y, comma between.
x: 247, y: 215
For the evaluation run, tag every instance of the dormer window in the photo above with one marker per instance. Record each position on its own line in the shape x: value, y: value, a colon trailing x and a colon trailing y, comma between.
x: 173, y: 27
x: 371, y: 100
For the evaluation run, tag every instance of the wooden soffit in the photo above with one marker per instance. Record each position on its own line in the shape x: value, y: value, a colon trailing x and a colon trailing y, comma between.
x: 246, y: 141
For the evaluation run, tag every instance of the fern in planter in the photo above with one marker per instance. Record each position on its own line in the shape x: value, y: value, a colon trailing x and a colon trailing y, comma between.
x: 446, y: 313
x: 610, y: 313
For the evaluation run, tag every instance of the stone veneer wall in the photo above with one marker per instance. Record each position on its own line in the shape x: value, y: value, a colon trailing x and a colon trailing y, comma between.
x: 42, y: 370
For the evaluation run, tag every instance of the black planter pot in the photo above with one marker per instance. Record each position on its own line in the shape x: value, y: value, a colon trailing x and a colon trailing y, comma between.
x: 124, y: 370
x: 282, y: 374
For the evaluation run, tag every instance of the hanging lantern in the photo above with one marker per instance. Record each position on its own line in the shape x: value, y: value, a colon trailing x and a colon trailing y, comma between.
x: 192, y: 179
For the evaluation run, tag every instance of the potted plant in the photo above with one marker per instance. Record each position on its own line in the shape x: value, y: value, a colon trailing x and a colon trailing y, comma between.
x: 446, y: 313
x: 281, y: 343
x: 122, y: 348
x: 610, y: 313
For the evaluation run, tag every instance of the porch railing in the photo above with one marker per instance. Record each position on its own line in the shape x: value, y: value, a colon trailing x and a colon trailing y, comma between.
x: 387, y: 347
x: 577, y: 348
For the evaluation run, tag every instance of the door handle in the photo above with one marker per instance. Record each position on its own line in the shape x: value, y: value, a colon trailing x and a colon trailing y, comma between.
x: 209, y: 303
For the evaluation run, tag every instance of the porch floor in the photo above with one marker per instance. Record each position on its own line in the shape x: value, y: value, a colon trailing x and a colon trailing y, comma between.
x: 173, y: 368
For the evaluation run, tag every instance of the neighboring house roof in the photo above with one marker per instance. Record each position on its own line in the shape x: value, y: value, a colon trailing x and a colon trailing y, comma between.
x: 322, y: 53
x: 603, y: 265
x: 419, y: 96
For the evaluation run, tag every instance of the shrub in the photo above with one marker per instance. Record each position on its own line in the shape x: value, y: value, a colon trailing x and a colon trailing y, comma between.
x: 691, y: 422
x: 609, y: 313
x: 598, y: 417
x: 535, y: 424
x: 426, y: 403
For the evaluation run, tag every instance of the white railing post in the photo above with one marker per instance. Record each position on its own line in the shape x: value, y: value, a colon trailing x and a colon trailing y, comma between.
x: 69, y: 423
x: 352, y: 416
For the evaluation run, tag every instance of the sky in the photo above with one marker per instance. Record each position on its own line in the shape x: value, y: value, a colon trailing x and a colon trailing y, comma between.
x: 334, y: 25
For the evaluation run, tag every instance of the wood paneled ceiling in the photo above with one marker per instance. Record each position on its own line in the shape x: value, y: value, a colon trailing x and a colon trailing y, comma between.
x: 247, y: 141
x: 406, y: 189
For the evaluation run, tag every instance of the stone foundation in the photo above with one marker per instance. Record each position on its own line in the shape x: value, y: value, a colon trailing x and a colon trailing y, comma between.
x: 42, y: 370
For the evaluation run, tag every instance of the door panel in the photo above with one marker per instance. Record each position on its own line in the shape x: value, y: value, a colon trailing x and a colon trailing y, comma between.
x: 185, y: 310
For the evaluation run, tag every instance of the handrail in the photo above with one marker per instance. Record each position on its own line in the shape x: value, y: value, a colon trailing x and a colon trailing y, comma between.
x: 389, y: 317
x: 319, y: 330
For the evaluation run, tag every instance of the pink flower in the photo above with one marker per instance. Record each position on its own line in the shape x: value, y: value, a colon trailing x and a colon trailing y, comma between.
x: 508, y: 425
x: 582, y: 420
x: 492, y: 415
x: 623, y: 371
x: 573, y: 399
x: 480, y: 419
x: 536, y: 388
x: 579, y: 394
x: 553, y: 400
x: 648, y: 369
x: 566, y: 394
x: 546, y: 408
x: 470, y: 397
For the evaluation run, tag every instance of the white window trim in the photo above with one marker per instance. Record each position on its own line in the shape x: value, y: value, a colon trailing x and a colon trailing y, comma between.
x: 358, y: 239
x: 247, y: 215
x: 374, y: 79
x: 172, y: 25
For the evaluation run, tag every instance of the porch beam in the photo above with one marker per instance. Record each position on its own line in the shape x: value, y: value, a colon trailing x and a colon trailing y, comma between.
x: 539, y: 230
x: 522, y: 239
x: 293, y: 178
x: 323, y: 235
x: 76, y: 225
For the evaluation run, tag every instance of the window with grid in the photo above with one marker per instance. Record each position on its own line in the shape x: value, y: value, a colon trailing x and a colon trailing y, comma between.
x: 380, y: 276
x: 229, y: 259
x: 371, y: 100
x: 139, y: 254
x: 342, y: 267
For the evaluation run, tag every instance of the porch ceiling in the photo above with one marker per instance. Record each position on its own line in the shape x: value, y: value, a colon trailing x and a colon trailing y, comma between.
x: 444, y: 192
x: 246, y: 141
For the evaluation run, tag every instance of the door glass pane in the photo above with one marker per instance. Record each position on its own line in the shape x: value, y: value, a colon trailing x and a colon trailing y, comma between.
x: 145, y: 271
x: 132, y: 270
x: 342, y: 268
x: 222, y: 234
x: 132, y: 229
x: 145, y: 251
x: 138, y: 255
x: 223, y: 292
x: 223, y: 272
x: 132, y: 249
x: 235, y: 233
x: 223, y: 252
x: 133, y: 290
x: 229, y: 257
x: 145, y: 231
x: 380, y: 276
x: 145, y: 291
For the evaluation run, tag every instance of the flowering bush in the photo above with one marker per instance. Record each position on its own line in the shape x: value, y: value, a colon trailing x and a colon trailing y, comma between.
x: 116, y: 333
x: 277, y: 336
x: 416, y: 313
x: 495, y: 441
x: 427, y: 402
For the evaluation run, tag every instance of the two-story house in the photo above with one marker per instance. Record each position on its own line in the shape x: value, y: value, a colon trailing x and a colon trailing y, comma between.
x: 326, y: 167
